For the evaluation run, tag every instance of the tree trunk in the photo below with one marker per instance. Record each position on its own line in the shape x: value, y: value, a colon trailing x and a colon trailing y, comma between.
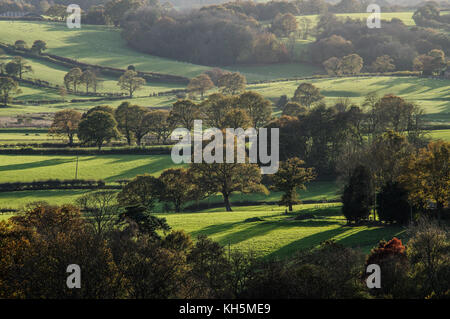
x: 226, y: 199
x: 70, y: 140
x: 439, y: 207
x: 290, y: 207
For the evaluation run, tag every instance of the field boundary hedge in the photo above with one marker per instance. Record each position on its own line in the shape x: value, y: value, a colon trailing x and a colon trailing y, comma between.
x: 360, y: 75
x: 52, y: 184
x: 75, y: 152
x: 203, y: 205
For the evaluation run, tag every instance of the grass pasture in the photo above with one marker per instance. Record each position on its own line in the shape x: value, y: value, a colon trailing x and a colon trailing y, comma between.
x: 103, y: 45
x: 277, y: 234
x: 27, y: 168
x: 100, y: 45
x: 432, y: 95
x: 440, y: 135
x: 55, y: 75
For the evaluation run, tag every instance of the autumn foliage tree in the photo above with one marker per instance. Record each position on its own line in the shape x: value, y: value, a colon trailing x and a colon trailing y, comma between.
x: 427, y: 176
x: 306, y: 94
x: 130, y: 82
x: 65, y: 123
x: 200, y: 84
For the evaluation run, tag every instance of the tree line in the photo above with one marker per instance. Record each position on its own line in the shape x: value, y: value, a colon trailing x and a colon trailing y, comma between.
x: 394, y: 47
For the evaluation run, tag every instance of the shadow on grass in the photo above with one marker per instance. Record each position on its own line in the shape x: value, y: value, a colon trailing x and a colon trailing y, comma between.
x: 153, y: 167
x: 262, y: 228
x: 306, y: 242
x: 38, y: 164
x: 371, y: 237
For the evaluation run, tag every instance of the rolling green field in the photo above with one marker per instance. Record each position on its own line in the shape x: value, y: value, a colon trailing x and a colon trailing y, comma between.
x: 275, y: 235
x: 55, y: 75
x: 441, y: 135
x: 406, y: 16
x: 103, y: 45
x: 100, y: 45
x: 278, y: 235
x: 26, y: 168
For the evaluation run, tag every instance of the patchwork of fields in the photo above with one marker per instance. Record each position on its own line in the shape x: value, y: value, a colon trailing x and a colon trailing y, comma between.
x: 276, y: 234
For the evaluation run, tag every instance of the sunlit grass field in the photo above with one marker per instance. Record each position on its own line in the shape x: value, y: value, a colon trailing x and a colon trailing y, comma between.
x: 103, y: 45
x: 274, y: 235
x: 277, y: 234
x: 431, y: 94
x: 27, y: 168
x: 440, y: 135
x: 54, y: 74
x: 405, y: 16
x: 100, y: 45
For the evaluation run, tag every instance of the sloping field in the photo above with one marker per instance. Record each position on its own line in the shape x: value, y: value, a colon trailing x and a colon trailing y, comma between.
x: 100, y: 45
x: 278, y: 235
x: 104, y: 46
x: 431, y: 94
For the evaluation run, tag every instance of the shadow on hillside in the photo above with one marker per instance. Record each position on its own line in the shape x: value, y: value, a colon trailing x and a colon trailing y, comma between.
x: 306, y: 242
x: 38, y: 164
x: 370, y: 237
x: 262, y: 228
x: 155, y: 166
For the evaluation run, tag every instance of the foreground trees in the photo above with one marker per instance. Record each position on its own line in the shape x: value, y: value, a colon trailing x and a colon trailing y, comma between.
x: 140, y: 258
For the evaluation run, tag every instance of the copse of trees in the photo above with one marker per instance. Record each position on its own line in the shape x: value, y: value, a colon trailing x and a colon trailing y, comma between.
x: 232, y: 37
x: 18, y: 67
x: 227, y: 178
x: 339, y: 38
x: 429, y: 15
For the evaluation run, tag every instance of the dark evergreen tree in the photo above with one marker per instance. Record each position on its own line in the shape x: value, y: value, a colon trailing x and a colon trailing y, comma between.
x: 358, y: 195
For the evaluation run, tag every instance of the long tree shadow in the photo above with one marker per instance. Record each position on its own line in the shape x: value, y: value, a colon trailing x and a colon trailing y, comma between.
x: 153, y: 167
x: 306, y: 242
x: 50, y: 162
x: 368, y: 237
x: 262, y: 228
